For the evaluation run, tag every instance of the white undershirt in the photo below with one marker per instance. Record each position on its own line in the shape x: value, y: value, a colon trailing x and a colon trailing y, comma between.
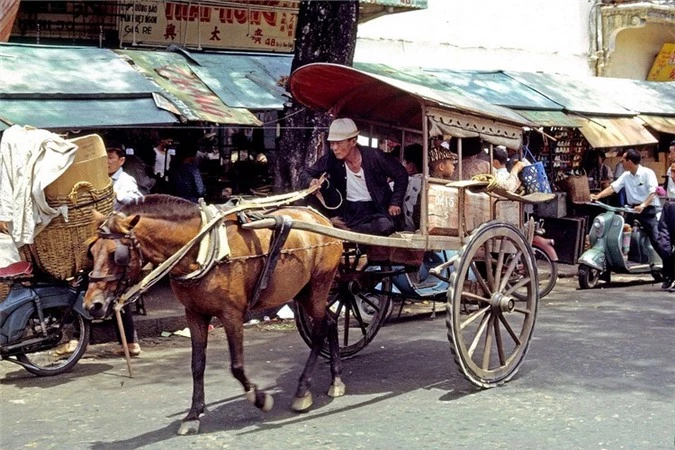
x: 357, y: 190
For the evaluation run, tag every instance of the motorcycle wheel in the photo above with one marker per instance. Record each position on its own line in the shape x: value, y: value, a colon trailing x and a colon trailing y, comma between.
x: 547, y: 271
x: 66, y: 328
x: 588, y: 277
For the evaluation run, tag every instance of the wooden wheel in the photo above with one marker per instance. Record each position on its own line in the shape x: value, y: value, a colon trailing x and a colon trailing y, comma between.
x: 490, y: 319
x: 359, y: 301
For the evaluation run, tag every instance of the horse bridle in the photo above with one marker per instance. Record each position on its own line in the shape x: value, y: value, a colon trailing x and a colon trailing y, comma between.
x: 121, y: 257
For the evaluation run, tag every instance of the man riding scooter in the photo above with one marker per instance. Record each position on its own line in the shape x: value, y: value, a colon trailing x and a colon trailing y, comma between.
x: 640, y: 185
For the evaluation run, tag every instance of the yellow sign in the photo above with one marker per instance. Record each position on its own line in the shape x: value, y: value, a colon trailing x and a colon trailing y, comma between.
x: 267, y: 26
x: 664, y: 65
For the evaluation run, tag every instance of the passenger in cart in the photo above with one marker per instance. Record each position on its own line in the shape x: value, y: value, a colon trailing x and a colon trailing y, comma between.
x: 357, y: 190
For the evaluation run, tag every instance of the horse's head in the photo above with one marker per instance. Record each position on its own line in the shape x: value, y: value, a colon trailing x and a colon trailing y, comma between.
x: 117, y: 261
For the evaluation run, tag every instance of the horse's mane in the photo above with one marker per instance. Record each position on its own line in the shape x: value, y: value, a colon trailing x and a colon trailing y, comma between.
x: 163, y: 207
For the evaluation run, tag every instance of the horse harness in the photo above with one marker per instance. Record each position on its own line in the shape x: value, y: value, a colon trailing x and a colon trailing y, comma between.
x: 121, y: 256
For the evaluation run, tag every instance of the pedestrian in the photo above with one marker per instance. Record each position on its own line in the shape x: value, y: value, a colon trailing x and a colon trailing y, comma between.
x: 125, y: 191
x: 640, y: 185
x: 666, y: 237
x: 358, y: 182
x: 185, y: 180
x: 442, y: 163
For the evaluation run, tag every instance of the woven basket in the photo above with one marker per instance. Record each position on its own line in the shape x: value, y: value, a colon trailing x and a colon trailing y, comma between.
x: 5, y: 287
x: 60, y: 249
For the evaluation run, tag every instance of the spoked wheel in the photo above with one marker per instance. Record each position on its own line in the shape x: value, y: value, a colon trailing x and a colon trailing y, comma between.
x: 547, y: 271
x: 588, y: 276
x: 68, y: 339
x: 359, y: 301
x: 490, y: 317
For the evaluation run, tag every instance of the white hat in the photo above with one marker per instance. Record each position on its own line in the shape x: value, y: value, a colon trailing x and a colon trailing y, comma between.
x: 342, y: 129
x: 445, y: 145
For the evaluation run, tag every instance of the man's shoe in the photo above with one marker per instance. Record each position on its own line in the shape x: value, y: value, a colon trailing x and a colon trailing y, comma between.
x: 66, y: 348
x: 667, y: 283
x: 134, y: 349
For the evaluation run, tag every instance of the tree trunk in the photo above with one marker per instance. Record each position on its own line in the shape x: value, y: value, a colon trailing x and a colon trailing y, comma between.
x: 325, y: 32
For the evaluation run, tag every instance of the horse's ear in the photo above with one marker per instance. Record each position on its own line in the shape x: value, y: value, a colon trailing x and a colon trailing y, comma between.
x: 133, y: 221
x: 98, y: 218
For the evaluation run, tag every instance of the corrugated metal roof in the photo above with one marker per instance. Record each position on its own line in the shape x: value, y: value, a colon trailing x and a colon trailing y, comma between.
x: 574, y: 94
x: 244, y: 80
x: 73, y: 87
x: 552, y: 118
x: 53, y: 113
x: 67, y: 72
x: 185, y: 88
x: 646, y: 97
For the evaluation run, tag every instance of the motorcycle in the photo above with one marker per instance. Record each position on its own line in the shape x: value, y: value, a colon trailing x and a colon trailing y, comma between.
x: 616, y: 247
x: 43, y: 325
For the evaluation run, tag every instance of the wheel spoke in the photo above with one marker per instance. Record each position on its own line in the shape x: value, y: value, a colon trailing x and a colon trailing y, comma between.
x: 509, y: 270
x: 504, y: 322
x: 488, y: 344
x: 479, y: 333
x: 480, y: 278
x: 488, y: 267
x: 522, y: 282
x: 500, y: 264
x: 500, y: 344
x: 474, y: 316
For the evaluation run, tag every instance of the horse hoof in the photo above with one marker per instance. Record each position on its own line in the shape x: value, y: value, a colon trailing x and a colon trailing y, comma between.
x: 337, y: 389
x: 269, y: 403
x: 302, y: 404
x: 189, y: 427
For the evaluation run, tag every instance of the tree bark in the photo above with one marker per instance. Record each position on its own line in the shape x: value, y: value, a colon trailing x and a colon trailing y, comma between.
x: 325, y: 32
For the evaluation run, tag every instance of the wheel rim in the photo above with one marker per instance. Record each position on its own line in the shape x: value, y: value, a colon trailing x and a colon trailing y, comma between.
x: 491, y: 318
x: 67, y: 327
x: 349, y: 296
x: 547, y: 273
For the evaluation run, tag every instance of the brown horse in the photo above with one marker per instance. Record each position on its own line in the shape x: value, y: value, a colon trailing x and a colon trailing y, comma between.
x: 156, y: 227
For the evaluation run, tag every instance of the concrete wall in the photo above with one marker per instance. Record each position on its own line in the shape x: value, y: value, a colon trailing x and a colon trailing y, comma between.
x: 635, y: 50
x: 528, y: 35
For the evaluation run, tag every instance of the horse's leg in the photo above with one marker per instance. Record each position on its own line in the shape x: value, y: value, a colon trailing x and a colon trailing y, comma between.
x: 198, y: 325
x: 303, y: 396
x: 337, y: 387
x: 234, y: 328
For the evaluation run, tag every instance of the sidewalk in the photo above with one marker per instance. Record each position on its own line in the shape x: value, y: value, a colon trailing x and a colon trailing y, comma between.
x: 165, y: 312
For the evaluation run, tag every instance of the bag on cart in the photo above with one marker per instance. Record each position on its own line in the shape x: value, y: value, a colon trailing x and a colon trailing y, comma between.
x: 534, y: 176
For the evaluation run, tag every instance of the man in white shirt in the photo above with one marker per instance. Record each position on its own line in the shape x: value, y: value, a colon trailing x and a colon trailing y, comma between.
x: 505, y: 179
x: 125, y: 188
x: 640, y: 185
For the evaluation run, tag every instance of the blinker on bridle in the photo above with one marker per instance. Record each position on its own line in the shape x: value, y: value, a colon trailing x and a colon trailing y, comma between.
x: 121, y: 257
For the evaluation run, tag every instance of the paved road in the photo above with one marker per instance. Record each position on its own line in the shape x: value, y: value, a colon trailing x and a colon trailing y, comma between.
x: 599, y: 375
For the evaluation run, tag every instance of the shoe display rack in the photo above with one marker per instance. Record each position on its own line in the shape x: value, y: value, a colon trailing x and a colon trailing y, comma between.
x: 565, y: 155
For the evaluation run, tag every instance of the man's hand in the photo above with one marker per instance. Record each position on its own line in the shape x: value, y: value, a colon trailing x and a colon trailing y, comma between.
x: 314, y: 182
x: 639, y: 208
x: 594, y: 197
x: 4, y: 227
x: 394, y: 210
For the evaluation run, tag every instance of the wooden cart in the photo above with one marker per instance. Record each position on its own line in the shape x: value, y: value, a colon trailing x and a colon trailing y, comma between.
x: 488, y: 269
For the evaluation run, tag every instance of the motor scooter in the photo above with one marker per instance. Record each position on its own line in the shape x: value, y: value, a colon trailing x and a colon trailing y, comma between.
x: 614, y: 249
x: 43, y: 324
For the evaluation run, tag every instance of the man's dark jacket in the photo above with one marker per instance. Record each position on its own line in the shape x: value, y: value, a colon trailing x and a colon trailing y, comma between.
x: 666, y: 229
x: 378, y: 168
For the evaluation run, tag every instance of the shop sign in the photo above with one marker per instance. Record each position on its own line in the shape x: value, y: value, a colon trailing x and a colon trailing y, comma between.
x: 664, y: 64
x: 262, y: 26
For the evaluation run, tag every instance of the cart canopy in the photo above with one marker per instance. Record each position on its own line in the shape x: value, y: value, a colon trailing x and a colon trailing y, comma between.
x: 369, y: 98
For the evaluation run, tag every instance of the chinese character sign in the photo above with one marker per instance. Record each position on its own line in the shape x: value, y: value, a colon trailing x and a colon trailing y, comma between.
x: 268, y: 26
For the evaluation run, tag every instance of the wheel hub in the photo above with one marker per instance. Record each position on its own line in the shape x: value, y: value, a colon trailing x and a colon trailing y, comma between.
x: 504, y: 303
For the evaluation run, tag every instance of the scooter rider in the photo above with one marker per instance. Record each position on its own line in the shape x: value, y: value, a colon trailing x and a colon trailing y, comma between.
x: 640, y: 185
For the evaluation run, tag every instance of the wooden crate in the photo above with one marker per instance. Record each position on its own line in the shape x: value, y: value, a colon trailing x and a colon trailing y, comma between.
x: 444, y: 214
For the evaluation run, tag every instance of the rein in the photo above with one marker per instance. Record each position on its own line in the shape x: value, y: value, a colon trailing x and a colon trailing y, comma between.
x: 132, y: 293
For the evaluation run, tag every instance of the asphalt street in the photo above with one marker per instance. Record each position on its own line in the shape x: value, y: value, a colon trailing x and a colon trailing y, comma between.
x: 599, y: 375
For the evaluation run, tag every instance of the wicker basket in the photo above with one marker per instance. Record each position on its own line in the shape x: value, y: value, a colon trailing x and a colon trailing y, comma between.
x: 5, y: 287
x: 59, y: 249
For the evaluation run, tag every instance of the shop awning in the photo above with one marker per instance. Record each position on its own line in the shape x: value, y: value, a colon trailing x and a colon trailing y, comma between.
x: 183, y: 87
x: 660, y: 123
x: 616, y: 132
x: 552, y: 118
x: 52, y: 114
x: 73, y: 87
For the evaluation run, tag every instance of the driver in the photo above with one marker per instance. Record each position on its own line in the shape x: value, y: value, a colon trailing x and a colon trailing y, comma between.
x: 640, y: 185
x: 366, y: 203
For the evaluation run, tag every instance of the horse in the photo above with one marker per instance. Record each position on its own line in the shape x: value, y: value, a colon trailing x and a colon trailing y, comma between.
x: 154, y: 228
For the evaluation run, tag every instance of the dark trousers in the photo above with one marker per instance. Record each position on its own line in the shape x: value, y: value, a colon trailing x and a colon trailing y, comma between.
x: 666, y: 237
x: 363, y: 217
x: 649, y: 225
x: 127, y: 324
